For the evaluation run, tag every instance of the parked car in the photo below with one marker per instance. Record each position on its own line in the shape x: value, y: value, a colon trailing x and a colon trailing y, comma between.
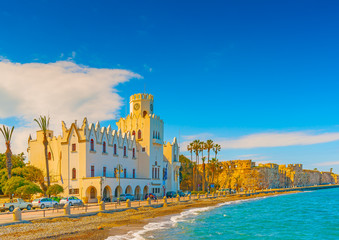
x: 124, y: 197
x: 151, y: 196
x: 171, y: 194
x: 57, y: 199
x: 181, y: 194
x: 72, y: 201
x: 16, y: 202
x: 44, y: 203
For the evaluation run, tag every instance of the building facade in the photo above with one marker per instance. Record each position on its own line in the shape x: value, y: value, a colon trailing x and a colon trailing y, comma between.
x: 94, y: 162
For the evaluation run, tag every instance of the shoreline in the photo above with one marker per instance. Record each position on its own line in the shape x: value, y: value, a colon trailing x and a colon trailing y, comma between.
x: 112, y: 224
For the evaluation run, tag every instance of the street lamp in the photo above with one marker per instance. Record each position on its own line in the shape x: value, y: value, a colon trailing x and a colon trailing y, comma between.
x: 118, y: 170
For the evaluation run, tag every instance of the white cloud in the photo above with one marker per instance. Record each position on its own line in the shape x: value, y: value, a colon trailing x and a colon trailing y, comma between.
x: 324, y: 164
x: 278, y: 139
x: 273, y: 139
x: 64, y: 90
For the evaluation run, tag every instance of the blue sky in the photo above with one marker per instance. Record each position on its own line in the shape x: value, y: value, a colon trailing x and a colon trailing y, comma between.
x: 260, y: 77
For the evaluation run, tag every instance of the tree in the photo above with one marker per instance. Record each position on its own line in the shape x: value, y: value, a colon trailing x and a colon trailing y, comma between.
x: 209, y: 145
x: 186, y: 173
x: 190, y: 149
x: 204, y: 174
x: 216, y: 149
x: 43, y: 123
x: 17, y: 160
x: 26, y: 191
x: 13, y: 184
x: 7, y: 134
x: 55, y: 190
x: 196, y: 149
x: 214, y: 166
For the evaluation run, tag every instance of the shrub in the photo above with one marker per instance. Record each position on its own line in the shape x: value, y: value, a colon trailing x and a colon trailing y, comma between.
x: 54, y: 190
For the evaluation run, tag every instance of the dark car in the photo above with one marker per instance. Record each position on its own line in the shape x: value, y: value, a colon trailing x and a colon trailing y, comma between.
x: 151, y: 196
x: 171, y: 194
x: 181, y: 194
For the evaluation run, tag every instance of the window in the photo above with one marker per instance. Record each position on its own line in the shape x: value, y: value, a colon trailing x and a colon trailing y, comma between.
x: 125, y: 152
x: 144, y: 114
x: 133, y: 133
x: 152, y: 172
x: 143, y: 149
x: 92, y: 171
x: 133, y: 152
x: 158, y: 135
x: 139, y: 134
x: 104, y: 147
x: 115, y: 149
x: 74, y: 173
x: 74, y: 147
x: 49, y: 157
x: 104, y: 172
x: 153, y: 134
x: 74, y: 191
x: 133, y: 173
x: 92, y: 145
x: 125, y: 173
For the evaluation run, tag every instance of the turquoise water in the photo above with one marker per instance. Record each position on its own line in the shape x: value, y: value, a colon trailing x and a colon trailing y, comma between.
x: 307, y: 215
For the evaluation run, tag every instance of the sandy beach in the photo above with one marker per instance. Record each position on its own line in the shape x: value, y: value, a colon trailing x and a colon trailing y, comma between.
x: 103, y: 225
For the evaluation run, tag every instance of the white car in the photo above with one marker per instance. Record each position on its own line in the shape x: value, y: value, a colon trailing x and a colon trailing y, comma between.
x: 16, y: 202
x: 71, y: 201
x: 44, y: 203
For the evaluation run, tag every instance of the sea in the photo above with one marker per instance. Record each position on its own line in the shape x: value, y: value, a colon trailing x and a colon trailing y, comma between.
x: 296, y: 216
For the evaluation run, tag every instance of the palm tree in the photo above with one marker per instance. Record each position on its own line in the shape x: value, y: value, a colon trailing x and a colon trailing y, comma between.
x: 204, y: 174
x: 216, y: 149
x: 43, y: 123
x: 7, y: 133
x: 190, y: 149
x: 214, y: 167
x: 209, y: 145
x: 196, y: 149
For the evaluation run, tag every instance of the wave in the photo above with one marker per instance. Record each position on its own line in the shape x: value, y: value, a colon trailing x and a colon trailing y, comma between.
x: 182, y: 217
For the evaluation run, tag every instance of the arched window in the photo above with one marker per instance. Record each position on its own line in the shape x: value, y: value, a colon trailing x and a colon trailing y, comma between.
x: 153, y: 134
x: 144, y: 114
x: 74, y: 173
x: 156, y: 163
x: 133, y: 133
x: 125, y: 152
x: 133, y: 152
x: 115, y: 149
x: 158, y: 135
x: 139, y: 134
x: 92, y: 145
x: 104, y: 147
x: 49, y: 157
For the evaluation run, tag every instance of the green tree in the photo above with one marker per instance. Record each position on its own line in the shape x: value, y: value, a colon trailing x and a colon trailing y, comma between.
x: 54, y: 190
x: 216, y: 149
x: 17, y: 160
x: 43, y: 123
x: 196, y: 149
x: 7, y: 134
x: 186, y: 173
x: 13, y: 184
x: 26, y: 191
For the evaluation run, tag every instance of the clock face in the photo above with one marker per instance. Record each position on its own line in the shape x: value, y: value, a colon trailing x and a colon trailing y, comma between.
x: 151, y: 107
x: 136, y: 106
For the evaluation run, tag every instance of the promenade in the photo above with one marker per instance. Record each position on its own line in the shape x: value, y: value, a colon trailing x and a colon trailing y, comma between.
x: 6, y: 218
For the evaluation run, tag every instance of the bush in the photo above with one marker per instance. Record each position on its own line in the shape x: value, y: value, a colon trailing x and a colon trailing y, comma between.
x: 196, y: 192
x: 13, y: 184
x: 28, y: 190
x: 54, y: 190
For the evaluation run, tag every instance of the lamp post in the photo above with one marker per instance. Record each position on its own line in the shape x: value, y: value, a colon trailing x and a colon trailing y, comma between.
x: 117, y: 175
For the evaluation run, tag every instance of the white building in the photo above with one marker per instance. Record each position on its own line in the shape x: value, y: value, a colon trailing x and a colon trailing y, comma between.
x: 85, y: 160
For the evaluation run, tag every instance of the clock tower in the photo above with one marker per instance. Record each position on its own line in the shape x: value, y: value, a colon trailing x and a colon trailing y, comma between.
x: 141, y: 104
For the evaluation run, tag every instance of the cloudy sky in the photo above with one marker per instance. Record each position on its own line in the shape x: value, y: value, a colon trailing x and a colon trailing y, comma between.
x: 260, y: 78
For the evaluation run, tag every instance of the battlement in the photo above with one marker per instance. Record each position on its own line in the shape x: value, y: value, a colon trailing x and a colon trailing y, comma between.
x: 139, y: 96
